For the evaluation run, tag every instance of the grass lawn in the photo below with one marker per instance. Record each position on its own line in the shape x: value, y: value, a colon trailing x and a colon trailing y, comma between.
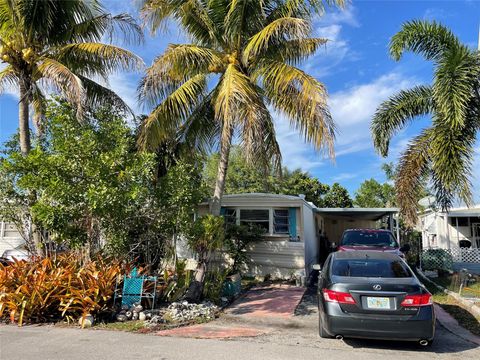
x: 452, y: 283
x: 450, y: 305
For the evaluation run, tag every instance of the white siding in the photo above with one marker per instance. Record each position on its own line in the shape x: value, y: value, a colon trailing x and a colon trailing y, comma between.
x: 280, y: 258
x: 10, y: 238
x: 276, y: 255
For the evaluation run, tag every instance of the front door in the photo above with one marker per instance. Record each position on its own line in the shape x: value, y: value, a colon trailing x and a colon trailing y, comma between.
x: 476, y: 235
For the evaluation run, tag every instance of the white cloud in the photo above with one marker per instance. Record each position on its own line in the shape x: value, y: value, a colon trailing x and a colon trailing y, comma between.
x: 346, y: 16
x: 337, y: 48
x: 296, y: 153
x: 344, y: 176
x: 125, y: 86
x: 352, y: 110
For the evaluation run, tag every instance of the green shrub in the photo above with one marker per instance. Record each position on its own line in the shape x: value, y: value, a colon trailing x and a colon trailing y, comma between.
x: 237, y: 239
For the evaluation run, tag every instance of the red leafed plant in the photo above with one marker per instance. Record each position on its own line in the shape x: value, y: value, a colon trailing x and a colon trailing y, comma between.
x: 50, y: 289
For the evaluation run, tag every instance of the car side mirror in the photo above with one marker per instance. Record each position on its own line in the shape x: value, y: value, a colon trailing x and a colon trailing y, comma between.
x: 316, y: 267
x: 405, y: 248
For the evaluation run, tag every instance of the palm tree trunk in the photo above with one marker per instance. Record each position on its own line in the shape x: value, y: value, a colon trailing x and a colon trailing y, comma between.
x: 23, y: 118
x: 226, y: 143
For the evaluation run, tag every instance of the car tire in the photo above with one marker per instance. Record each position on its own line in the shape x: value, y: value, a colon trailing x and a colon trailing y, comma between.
x: 321, y: 331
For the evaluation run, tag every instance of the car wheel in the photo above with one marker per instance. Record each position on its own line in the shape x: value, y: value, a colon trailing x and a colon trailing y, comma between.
x: 321, y: 331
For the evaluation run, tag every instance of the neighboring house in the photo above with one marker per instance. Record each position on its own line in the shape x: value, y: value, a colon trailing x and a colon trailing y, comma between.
x: 457, y: 232
x: 297, y: 233
x: 10, y: 238
x: 460, y: 227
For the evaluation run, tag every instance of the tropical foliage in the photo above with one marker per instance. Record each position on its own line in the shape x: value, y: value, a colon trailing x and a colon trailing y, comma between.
x: 57, y: 44
x: 443, y: 151
x: 244, y: 177
x: 95, y: 191
x: 46, y: 289
x: 372, y: 194
x: 247, y: 51
x: 206, y: 237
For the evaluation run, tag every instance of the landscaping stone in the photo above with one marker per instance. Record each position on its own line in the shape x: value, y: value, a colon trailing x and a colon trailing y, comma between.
x: 87, y: 322
x: 184, y: 312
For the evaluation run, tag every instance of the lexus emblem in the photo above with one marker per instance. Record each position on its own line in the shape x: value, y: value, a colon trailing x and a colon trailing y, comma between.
x: 377, y: 287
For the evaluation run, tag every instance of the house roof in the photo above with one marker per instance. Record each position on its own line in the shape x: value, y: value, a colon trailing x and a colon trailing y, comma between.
x: 262, y: 198
x: 474, y: 210
x: 358, y: 213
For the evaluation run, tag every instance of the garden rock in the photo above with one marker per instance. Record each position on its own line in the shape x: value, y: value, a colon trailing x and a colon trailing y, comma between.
x: 87, y: 322
x: 184, y: 311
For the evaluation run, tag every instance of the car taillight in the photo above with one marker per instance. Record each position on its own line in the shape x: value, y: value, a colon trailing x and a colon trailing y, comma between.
x: 338, y: 297
x: 417, y: 300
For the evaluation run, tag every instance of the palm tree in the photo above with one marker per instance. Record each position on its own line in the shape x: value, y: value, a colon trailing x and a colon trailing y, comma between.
x: 56, y: 44
x: 443, y: 151
x: 240, y: 66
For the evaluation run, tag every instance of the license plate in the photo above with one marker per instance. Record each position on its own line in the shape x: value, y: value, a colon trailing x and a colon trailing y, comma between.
x: 378, y: 303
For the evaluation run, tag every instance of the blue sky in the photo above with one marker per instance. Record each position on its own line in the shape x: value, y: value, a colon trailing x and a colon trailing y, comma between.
x: 355, y: 67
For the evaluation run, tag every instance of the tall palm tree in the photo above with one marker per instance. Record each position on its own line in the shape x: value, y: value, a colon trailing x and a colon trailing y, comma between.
x: 56, y: 44
x: 240, y: 66
x: 443, y: 151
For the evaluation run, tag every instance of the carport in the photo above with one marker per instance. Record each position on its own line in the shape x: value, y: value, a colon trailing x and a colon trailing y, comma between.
x: 332, y: 222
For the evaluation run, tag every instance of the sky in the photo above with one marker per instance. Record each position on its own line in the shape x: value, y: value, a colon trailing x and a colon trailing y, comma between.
x: 355, y: 67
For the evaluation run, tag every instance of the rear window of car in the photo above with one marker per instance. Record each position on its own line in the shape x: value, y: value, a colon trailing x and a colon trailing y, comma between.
x: 370, y: 268
x: 368, y: 238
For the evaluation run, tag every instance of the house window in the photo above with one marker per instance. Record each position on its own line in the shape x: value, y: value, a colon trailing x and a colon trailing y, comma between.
x: 230, y: 216
x: 280, y: 221
x: 260, y: 218
x: 462, y: 221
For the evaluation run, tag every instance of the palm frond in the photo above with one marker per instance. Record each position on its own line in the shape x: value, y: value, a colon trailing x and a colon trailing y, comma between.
x: 176, y: 65
x: 456, y: 78
x: 167, y: 117
x: 234, y: 92
x: 452, y: 157
x: 258, y: 136
x: 98, y: 96
x: 279, y: 30
x: 39, y: 105
x: 91, y: 59
x: 201, y: 131
x: 303, y: 99
x: 94, y: 29
x: 394, y: 113
x: 426, y: 38
x: 413, y: 166
x: 63, y: 79
x: 295, y: 51
x: 8, y: 79
x: 192, y: 15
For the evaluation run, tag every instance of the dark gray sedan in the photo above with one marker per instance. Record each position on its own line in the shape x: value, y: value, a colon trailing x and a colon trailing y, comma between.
x: 374, y: 295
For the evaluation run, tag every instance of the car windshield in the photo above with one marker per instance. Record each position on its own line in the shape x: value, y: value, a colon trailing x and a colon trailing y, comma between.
x: 368, y: 238
x: 370, y: 268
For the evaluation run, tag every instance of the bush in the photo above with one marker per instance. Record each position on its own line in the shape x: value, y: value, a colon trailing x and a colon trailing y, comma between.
x: 236, y: 240
x: 50, y: 289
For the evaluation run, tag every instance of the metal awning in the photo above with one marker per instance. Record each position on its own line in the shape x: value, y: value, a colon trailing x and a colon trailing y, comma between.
x: 472, y: 212
x: 357, y: 213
